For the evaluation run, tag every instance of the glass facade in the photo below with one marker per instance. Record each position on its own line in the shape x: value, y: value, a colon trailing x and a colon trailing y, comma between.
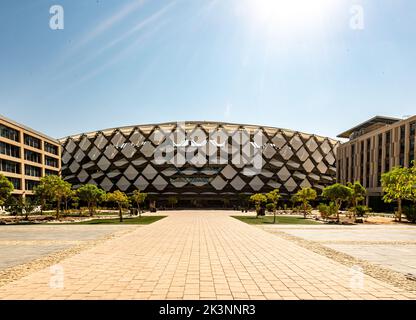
x: 379, y: 159
x: 23, y: 154
x: 353, y: 162
x: 51, y: 172
x: 9, y: 150
x: 31, y: 184
x: 32, y: 141
x: 368, y: 164
x: 362, y: 164
x: 387, y: 151
x: 17, y: 183
x: 50, y: 148
x: 33, y: 171
x: 402, y: 145
x: 33, y: 156
x: 51, y: 162
x: 380, y: 144
x: 9, y: 166
x: 9, y: 133
x: 412, y: 141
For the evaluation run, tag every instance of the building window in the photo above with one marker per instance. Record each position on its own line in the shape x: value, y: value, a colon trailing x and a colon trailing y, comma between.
x: 353, y: 162
x: 412, y: 141
x: 33, y: 171
x: 9, y: 166
x: 347, y: 175
x: 30, y: 184
x: 387, y: 146
x: 339, y: 166
x: 50, y: 148
x: 16, y: 183
x: 9, y: 133
x: 362, y: 165
x: 32, y: 156
x: 51, y: 162
x: 9, y: 150
x: 379, y: 162
x: 402, y: 145
x: 51, y: 172
x: 32, y: 141
x: 368, y: 163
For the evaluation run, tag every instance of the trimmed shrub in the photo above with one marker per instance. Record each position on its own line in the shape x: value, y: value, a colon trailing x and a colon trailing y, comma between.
x: 410, y: 213
x: 270, y: 207
x: 327, y: 210
x: 362, y: 210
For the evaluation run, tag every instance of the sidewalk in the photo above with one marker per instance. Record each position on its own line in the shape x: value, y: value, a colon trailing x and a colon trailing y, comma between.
x: 199, y: 255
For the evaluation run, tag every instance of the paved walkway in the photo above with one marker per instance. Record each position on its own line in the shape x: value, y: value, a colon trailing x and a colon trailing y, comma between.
x: 391, y: 246
x: 199, y: 255
x: 21, y: 244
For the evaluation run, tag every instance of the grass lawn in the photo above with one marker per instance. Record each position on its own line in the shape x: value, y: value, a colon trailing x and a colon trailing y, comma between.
x: 142, y: 220
x: 279, y: 220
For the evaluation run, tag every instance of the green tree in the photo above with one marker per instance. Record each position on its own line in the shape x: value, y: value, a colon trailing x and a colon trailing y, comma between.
x: 273, y: 197
x: 398, y: 184
x: 270, y: 207
x: 55, y: 189
x: 67, y: 197
x: 92, y: 195
x: 172, y: 201
x: 13, y: 205
x: 42, y: 195
x: 121, y: 199
x: 75, y: 202
x: 337, y: 193
x: 139, y: 198
x: 28, y: 206
x: 304, y: 196
x: 358, y: 193
x: 6, y: 189
x: 258, y: 199
x: 294, y: 200
x: 412, y: 182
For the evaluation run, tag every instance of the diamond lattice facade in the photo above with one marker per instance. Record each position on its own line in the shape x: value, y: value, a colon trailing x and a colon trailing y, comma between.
x: 160, y: 159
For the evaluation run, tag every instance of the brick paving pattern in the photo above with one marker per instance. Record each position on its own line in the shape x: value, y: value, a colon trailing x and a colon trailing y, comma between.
x: 21, y: 244
x: 390, y: 246
x: 200, y: 255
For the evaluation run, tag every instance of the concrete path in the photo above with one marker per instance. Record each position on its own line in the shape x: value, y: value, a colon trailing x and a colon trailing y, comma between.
x: 199, y: 255
x: 390, y: 246
x: 21, y: 244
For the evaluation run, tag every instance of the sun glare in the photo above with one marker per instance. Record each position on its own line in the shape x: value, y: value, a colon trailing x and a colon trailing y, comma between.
x: 289, y: 13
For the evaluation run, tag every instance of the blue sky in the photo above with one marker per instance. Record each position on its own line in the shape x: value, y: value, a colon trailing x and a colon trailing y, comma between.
x: 249, y: 61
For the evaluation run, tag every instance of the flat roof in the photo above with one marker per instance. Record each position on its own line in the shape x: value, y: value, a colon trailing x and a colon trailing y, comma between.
x: 17, y: 124
x: 366, y: 124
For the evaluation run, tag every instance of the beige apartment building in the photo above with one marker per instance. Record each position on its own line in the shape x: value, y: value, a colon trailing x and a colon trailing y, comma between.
x: 26, y: 156
x: 375, y: 147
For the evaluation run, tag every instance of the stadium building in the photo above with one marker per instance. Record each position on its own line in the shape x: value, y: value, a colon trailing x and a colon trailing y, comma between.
x: 200, y: 163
